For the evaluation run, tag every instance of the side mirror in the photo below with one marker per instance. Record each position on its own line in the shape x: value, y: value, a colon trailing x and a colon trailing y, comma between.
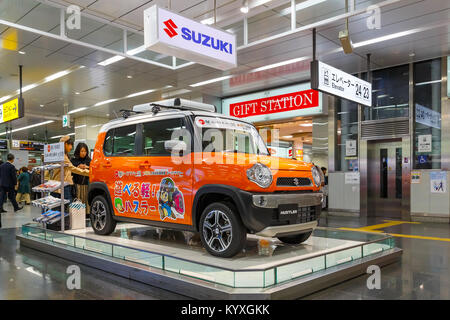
x: 175, y: 146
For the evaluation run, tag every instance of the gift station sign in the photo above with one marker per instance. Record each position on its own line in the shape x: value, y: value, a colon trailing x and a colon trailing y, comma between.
x: 281, y: 103
x: 169, y: 33
x: 328, y: 79
x: 286, y: 102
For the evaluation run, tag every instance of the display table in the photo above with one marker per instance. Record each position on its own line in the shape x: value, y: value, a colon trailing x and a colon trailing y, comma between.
x: 176, y: 261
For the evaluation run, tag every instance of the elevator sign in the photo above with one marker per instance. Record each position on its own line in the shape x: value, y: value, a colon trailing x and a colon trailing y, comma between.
x: 169, y: 33
x: 330, y: 80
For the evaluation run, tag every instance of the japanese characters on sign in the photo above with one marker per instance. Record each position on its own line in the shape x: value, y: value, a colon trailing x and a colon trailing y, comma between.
x: 54, y: 152
x: 330, y: 80
x: 428, y: 117
x: 11, y: 110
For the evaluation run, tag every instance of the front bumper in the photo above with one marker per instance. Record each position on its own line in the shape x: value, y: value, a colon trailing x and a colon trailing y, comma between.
x: 260, y: 212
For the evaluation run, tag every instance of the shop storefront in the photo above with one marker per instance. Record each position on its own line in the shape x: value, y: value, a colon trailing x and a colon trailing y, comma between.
x: 292, y: 120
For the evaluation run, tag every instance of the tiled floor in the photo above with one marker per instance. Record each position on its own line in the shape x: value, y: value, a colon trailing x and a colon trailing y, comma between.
x: 422, y: 273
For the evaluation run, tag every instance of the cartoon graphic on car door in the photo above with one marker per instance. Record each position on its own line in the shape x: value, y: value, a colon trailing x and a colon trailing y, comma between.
x: 170, y: 200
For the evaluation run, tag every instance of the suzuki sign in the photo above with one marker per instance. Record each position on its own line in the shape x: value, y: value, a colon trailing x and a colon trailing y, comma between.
x: 169, y: 33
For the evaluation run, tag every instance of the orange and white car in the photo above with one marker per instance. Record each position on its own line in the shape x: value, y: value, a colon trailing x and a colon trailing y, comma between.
x: 178, y: 164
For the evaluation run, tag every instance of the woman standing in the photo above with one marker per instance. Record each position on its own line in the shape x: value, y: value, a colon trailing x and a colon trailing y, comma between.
x: 81, y: 160
x: 69, y: 168
x: 23, y: 191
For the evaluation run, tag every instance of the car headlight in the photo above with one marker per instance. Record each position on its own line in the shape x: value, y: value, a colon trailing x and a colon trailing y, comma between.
x: 317, y: 177
x: 260, y: 174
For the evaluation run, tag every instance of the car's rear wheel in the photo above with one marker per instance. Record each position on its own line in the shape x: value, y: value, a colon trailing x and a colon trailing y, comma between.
x: 296, y: 239
x: 101, y: 219
x: 221, y: 230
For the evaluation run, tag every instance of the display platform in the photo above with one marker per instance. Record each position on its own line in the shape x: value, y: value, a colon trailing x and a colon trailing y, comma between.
x: 176, y: 261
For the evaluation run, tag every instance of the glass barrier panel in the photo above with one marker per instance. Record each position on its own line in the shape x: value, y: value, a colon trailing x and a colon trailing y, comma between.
x: 344, y: 256
x: 35, y: 15
x: 107, y: 36
x: 308, y: 12
x: 199, y: 271
x: 269, y: 23
x: 87, y: 26
x: 137, y: 256
x: 249, y: 279
x: 36, y: 232
x: 94, y: 246
x: 379, y: 246
x: 299, y: 269
x: 61, y: 238
x: 238, y: 29
x: 270, y: 277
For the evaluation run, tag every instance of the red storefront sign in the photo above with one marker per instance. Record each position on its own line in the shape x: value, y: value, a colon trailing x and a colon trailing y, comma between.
x: 285, y: 102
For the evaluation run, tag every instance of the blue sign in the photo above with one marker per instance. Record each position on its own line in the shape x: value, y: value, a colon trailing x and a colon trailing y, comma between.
x: 423, y: 159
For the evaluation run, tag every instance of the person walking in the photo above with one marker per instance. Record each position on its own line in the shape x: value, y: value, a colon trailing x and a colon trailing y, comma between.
x: 69, y: 168
x: 8, y: 181
x: 34, y: 182
x: 81, y: 160
x: 23, y: 191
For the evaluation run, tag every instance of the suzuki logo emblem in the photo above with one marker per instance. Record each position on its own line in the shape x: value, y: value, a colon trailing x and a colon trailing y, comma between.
x: 296, y: 182
x: 171, y: 26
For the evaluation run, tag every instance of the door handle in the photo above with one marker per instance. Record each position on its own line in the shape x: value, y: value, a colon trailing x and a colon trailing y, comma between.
x: 144, y: 164
x: 107, y: 164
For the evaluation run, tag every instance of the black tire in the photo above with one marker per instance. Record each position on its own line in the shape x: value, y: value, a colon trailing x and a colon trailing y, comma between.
x: 227, y: 236
x: 101, y: 219
x: 296, y: 239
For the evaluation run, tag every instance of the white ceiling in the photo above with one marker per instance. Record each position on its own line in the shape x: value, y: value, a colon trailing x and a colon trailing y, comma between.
x: 45, y: 56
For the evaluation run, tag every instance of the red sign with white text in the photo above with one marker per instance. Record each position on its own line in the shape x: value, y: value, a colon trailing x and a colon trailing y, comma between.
x: 285, y: 102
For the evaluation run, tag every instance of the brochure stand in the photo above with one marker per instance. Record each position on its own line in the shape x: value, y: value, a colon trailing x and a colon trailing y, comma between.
x: 53, y: 159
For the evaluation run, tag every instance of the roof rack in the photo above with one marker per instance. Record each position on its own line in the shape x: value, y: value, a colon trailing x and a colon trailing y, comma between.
x: 177, y: 103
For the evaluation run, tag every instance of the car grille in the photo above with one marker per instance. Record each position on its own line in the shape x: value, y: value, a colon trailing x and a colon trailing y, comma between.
x: 293, y: 182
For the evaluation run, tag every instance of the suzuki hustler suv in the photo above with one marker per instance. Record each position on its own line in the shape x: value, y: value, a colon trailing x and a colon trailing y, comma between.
x: 178, y: 164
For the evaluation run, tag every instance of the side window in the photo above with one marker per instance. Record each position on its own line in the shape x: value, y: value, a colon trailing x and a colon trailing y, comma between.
x: 157, y: 132
x: 123, y: 143
x: 108, y: 144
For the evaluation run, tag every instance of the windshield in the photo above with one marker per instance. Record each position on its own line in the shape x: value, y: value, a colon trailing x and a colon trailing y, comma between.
x: 226, y: 135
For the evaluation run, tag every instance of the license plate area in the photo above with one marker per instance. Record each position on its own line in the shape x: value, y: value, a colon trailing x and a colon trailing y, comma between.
x: 288, y: 212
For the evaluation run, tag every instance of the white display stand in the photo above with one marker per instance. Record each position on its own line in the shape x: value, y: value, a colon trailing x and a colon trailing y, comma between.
x: 53, y: 159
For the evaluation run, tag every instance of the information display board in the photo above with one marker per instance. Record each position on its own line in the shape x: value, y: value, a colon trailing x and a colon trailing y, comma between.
x: 54, y: 152
x: 11, y: 110
x: 330, y: 80
x: 3, y: 144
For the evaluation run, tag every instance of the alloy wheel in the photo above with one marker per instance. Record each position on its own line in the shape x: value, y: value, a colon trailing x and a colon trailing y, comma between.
x: 98, y: 212
x: 217, y: 230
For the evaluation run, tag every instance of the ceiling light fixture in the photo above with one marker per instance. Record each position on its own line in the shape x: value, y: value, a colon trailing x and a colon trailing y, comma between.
x: 77, y: 110
x: 287, y: 137
x: 244, y: 8
x: 41, y: 105
x: 111, y: 60
x: 104, y: 102
x: 4, y: 98
x: 56, y: 75
x: 198, y: 84
x: 208, y: 21
x: 306, y: 125
x: 279, y: 64
x: 76, y: 92
x: 427, y: 82
x: 129, y: 77
x: 301, y: 6
x: 30, y: 126
x: 81, y: 126
x: 21, y: 52
x: 140, y: 93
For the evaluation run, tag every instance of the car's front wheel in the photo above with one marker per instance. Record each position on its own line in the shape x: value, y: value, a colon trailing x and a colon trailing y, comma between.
x: 296, y: 239
x: 221, y: 230
x: 101, y: 219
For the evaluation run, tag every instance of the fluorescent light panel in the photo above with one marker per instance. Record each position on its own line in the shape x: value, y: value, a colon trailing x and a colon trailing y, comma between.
x: 30, y: 126
x: 111, y: 60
